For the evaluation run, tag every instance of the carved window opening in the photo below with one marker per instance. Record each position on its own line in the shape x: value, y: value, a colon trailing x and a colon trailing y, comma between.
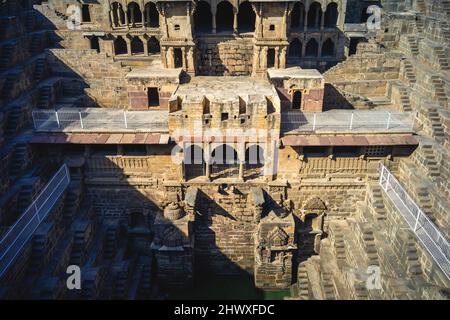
x: 246, y: 17
x: 203, y: 17
x: 95, y: 45
x: 153, y: 46
x: 85, y: 13
x: 134, y: 13
x: 178, y: 57
x: 328, y: 48
x: 153, y: 97
x: 295, y: 48
x: 224, y: 17
x: 314, y: 15
x: 137, y: 46
x: 271, y: 58
x: 120, y: 46
x: 194, y: 162
x: 312, y: 49
x: 151, y: 15
x: 297, y: 100
x: 331, y: 15
x: 298, y: 16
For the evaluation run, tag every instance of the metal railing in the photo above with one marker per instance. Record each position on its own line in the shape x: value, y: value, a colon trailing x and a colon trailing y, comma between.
x: 428, y: 234
x: 20, y: 233
x: 99, y: 119
x: 347, y: 121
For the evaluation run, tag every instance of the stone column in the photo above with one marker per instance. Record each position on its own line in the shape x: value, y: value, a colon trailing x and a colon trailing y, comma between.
x: 305, y: 26
x: 263, y: 60
x: 241, y: 155
x: 128, y: 41
x: 283, y: 58
x: 207, y: 157
x: 304, y: 48
x: 169, y: 57
x: 213, y: 12
x: 127, y: 23
x: 147, y: 16
x: 235, y: 21
x: 142, y: 13
x: 183, y: 53
x: 277, y: 60
x: 132, y: 15
x: 190, y: 60
x: 145, y: 42
x: 111, y: 16
x: 322, y: 20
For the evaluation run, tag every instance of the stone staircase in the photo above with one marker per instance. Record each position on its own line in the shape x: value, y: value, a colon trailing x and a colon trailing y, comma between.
x: 44, y: 99
x: 439, y: 92
x: 72, y: 200
x: 410, y: 75
x: 442, y: 58
x: 25, y: 196
x: 39, y: 69
x: 36, y: 44
x: 19, y: 160
x: 376, y: 201
x: 302, y: 282
x: 6, y: 57
x: 421, y: 6
x: 110, y: 242
x: 437, y: 130
x: 413, y: 47
x: 8, y: 86
x: 14, y: 121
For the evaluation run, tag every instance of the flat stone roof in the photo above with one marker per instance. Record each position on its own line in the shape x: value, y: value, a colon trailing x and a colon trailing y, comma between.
x: 152, y: 72
x: 225, y: 89
x: 294, y: 73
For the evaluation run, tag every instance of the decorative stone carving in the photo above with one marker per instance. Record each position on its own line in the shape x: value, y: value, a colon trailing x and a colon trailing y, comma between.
x: 314, y: 204
x: 277, y: 237
x: 173, y: 211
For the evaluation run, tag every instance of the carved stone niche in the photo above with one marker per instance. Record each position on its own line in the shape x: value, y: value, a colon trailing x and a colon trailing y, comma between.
x: 312, y: 214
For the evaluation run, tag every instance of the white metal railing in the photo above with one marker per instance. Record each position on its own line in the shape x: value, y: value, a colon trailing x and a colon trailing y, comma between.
x: 428, y: 234
x: 100, y: 119
x: 347, y: 121
x: 20, y: 233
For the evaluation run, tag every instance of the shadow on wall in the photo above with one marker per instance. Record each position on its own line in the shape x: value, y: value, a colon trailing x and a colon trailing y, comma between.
x: 334, y: 99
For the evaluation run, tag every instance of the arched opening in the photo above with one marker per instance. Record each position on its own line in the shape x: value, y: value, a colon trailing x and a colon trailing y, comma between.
x: 246, y: 17
x: 298, y: 16
x: 178, y: 57
x: 224, y: 17
x: 297, y: 100
x: 118, y: 15
x: 314, y: 15
x: 137, y: 46
x: 85, y: 13
x: 203, y: 17
x: 331, y: 15
x: 134, y: 13
x: 194, y: 162
x: 95, y: 45
x: 312, y: 49
x: 271, y: 58
x: 328, y: 48
x: 295, y: 48
x: 225, y: 162
x: 254, y: 161
x: 120, y: 46
x: 309, y: 223
x: 364, y: 15
x: 151, y: 15
x: 153, y: 46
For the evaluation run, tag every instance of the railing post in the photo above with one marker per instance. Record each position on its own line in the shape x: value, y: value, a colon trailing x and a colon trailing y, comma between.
x: 381, y: 175
x: 387, y: 180
x: 81, y: 120
x: 417, y: 221
x: 388, y: 121
x: 125, y: 119
x: 351, y: 121
x: 57, y: 119
x: 314, y: 122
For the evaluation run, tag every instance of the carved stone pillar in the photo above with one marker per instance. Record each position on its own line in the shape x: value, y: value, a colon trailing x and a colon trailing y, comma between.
x: 277, y: 59
x: 322, y: 20
x: 283, y: 58
x: 213, y: 12
x: 235, y: 21
x: 128, y: 41
x: 169, y: 58
x: 145, y: 42
x: 183, y: 53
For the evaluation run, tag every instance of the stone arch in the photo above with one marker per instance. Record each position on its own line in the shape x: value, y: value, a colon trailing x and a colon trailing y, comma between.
x: 118, y: 15
x: 151, y: 15
x: 331, y: 15
x: 246, y: 17
x: 312, y: 48
x: 203, y: 17
x: 194, y: 161
x: 224, y: 16
x: 137, y: 46
x: 295, y: 48
x: 153, y: 46
x: 224, y: 154
x: 298, y: 16
x: 297, y: 100
x: 314, y: 15
x: 120, y: 46
x: 254, y: 155
x: 134, y: 13
x: 328, y: 48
